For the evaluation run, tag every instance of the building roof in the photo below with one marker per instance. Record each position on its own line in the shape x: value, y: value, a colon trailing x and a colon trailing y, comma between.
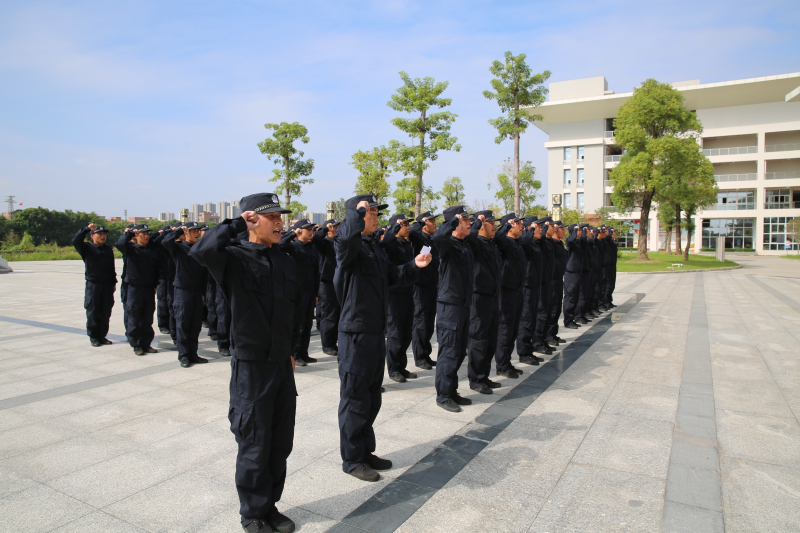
x: 766, y: 89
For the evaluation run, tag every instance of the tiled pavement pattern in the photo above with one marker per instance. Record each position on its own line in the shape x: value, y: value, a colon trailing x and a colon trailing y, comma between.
x: 679, y: 412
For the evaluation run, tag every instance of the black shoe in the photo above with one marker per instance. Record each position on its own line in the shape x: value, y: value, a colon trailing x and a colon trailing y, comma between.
x: 257, y: 526
x: 382, y: 389
x: 532, y: 360
x: 376, y: 463
x: 560, y: 340
x: 205, y: 323
x: 583, y: 321
x: 150, y: 349
x: 482, y: 388
x: 400, y: 378
x: 424, y: 366
x: 571, y: 325
x: 408, y: 375
x: 552, y: 341
x: 508, y: 373
x: 460, y: 400
x: 365, y: 473
x: 330, y: 351
x: 431, y: 362
x: 105, y: 341
x: 196, y: 359
x: 547, y: 350
x: 279, y: 522
x: 300, y: 362
x: 492, y: 384
x: 449, y: 405
x: 224, y: 352
x: 185, y: 362
x: 95, y: 342
x: 613, y: 305
x: 165, y: 331
x: 213, y: 337
x: 309, y: 359
x: 139, y: 351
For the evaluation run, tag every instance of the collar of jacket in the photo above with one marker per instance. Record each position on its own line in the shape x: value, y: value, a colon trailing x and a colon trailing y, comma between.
x: 259, y: 247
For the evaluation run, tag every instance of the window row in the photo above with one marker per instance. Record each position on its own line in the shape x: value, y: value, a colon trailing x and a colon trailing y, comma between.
x: 568, y: 177
x: 568, y: 154
x: 567, y: 199
x: 744, y: 200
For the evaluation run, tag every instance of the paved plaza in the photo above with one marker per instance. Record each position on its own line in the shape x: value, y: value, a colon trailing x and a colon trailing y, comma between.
x: 676, y: 412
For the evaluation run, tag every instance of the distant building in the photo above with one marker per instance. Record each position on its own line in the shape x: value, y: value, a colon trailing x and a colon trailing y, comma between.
x: 8, y: 216
x: 112, y: 219
x: 166, y: 217
x: 137, y: 220
x: 194, y: 212
x: 210, y: 207
x: 315, y: 218
x: 222, y: 208
x: 206, y: 217
x: 233, y: 210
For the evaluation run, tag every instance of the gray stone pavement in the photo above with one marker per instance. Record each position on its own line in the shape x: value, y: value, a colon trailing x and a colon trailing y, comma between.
x: 677, y: 412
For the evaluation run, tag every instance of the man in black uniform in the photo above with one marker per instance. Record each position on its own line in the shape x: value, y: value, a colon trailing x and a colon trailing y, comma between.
x: 164, y: 279
x: 612, y: 267
x: 545, y: 289
x: 559, y: 268
x: 452, y: 304
x: 328, y: 309
x: 484, y: 315
x: 142, y: 278
x: 260, y: 283
x: 531, y: 245
x: 597, y: 271
x: 400, y: 318
x: 123, y: 288
x: 425, y: 291
x: 101, y: 281
x: 512, y: 283
x: 190, y: 287
x: 362, y: 280
x: 572, y: 276
x: 584, y: 311
x: 298, y: 244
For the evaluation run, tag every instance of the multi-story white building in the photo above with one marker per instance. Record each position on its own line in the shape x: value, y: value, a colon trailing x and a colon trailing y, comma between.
x: 194, y: 212
x: 233, y: 210
x: 166, y: 217
x: 210, y: 207
x: 314, y: 218
x: 222, y: 208
x: 751, y: 134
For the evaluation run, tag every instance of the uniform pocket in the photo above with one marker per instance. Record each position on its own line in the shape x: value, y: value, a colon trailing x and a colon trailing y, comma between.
x: 240, y: 415
x: 447, y: 336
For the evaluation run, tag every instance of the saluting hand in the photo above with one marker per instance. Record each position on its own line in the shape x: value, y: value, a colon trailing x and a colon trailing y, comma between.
x: 251, y: 218
x: 423, y: 260
x: 92, y: 226
x: 364, y: 204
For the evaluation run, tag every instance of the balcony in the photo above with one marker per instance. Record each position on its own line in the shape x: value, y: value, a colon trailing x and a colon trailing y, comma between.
x: 781, y: 205
x: 608, y: 134
x: 737, y: 150
x: 783, y: 175
x: 612, y: 158
x: 736, y: 177
x: 782, y: 147
x: 567, y: 162
x: 608, y: 183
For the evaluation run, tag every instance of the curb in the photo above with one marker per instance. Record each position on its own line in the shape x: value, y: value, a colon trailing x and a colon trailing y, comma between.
x: 691, y: 271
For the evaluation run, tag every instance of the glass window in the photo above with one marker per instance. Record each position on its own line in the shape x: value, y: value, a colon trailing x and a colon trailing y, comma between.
x: 777, y: 199
x: 581, y: 153
x: 567, y: 178
x: 778, y: 233
x: 738, y: 232
x: 580, y: 177
x: 626, y: 239
x: 607, y: 200
x: 567, y: 201
x: 580, y: 200
x: 567, y: 155
x: 735, y: 200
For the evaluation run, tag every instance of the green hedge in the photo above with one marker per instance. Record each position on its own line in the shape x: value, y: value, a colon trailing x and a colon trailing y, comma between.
x: 48, y: 254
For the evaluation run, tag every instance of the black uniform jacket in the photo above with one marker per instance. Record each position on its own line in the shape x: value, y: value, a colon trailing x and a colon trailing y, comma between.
x: 533, y: 258
x: 363, y: 277
x: 189, y: 274
x: 587, y: 246
x: 142, y: 261
x: 399, y: 252
x: 99, y: 260
x: 487, y: 262
x: 428, y: 276
x: 260, y: 285
x: 575, y: 250
x: 455, y: 265
x: 307, y: 260
x: 164, y: 270
x: 327, y: 254
x: 559, y: 259
x: 547, y: 260
x: 513, y: 272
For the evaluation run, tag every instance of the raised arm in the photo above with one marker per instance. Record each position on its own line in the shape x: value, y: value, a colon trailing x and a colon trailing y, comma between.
x: 441, y: 239
x: 123, y: 241
x: 79, y: 240
x: 348, y: 239
x: 318, y: 239
x: 210, y: 250
x: 501, y: 239
x: 169, y: 241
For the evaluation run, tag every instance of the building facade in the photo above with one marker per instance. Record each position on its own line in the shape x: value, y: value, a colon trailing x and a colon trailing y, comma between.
x: 751, y: 134
x: 166, y: 216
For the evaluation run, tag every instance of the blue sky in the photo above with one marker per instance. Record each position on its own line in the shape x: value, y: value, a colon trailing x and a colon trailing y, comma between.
x: 152, y: 106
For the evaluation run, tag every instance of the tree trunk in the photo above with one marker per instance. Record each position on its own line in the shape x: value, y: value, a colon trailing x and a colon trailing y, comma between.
x: 418, y: 200
x: 287, y: 196
x: 688, y: 237
x: 516, y: 161
x: 668, y: 243
x: 678, y: 229
x: 644, y: 222
x: 418, y: 195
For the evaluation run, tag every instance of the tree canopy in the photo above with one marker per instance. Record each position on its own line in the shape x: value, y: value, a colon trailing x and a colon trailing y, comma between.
x: 522, y: 193
x: 404, y: 197
x: 452, y: 192
x: 294, y: 171
x: 374, y: 168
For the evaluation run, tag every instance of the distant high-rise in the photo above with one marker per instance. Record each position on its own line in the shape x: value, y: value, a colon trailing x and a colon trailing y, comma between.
x: 210, y: 207
x: 222, y: 208
x: 233, y: 210
x: 314, y: 218
x: 194, y: 212
x: 166, y: 216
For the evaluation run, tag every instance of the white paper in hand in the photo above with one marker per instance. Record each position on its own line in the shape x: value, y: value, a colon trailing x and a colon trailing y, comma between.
x: 425, y: 250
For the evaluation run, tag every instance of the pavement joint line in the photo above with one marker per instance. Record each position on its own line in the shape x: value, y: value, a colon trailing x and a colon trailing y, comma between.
x: 396, y: 502
x: 690, y: 484
x: 782, y: 297
x: 54, y: 327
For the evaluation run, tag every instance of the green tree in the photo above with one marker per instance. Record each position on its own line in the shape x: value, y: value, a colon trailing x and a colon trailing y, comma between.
x: 405, y: 197
x: 297, y: 208
x: 653, y: 126
x: 571, y: 216
x: 517, y: 195
x: 430, y: 132
x: 666, y: 217
x: 374, y: 168
x: 339, y: 210
x: 294, y: 171
x: 515, y: 87
x: 452, y: 192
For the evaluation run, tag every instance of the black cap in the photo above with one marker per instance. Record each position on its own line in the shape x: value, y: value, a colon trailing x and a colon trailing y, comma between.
x: 511, y: 217
x: 303, y: 223
x: 572, y: 227
x: 100, y: 229
x: 559, y: 224
x: 203, y: 227
x: 332, y: 222
x: 165, y: 228
x: 263, y: 202
x: 489, y: 217
x: 192, y: 225
x: 426, y: 214
x: 130, y: 226
x: 545, y: 220
x: 399, y: 217
x: 142, y: 228
x: 353, y: 202
x: 451, y: 212
x: 530, y: 220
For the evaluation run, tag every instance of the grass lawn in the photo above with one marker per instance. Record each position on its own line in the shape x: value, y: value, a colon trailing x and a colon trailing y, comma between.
x: 662, y: 261
x: 791, y: 256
